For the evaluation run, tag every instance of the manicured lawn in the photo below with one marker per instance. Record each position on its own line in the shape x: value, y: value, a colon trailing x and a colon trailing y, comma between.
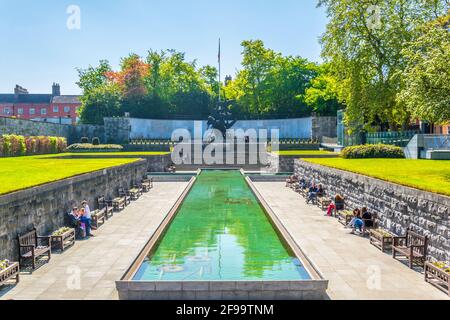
x: 304, y: 153
x: 429, y: 175
x: 24, y: 172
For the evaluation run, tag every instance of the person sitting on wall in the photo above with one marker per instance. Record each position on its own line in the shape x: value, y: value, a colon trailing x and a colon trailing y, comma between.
x: 335, y: 205
x: 86, y: 218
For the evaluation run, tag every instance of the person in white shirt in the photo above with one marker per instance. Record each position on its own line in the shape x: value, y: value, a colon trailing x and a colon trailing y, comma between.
x: 86, y: 218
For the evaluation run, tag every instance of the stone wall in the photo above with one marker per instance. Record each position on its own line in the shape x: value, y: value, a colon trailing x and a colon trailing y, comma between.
x: 45, y: 207
x: 117, y: 130
x: 73, y: 133
x: 398, y: 207
x: 324, y: 127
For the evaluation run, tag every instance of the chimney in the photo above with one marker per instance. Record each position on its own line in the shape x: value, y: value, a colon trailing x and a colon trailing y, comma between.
x: 56, y: 90
x: 20, y: 90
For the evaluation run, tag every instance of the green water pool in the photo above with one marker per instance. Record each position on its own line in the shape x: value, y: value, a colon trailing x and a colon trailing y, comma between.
x: 221, y: 233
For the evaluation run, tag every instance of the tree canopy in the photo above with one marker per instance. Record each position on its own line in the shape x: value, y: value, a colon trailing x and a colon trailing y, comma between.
x: 368, y: 46
x: 165, y: 85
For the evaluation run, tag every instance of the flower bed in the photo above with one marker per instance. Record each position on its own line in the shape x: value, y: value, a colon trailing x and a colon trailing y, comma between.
x: 87, y: 147
x: 381, y: 239
x: 63, y: 238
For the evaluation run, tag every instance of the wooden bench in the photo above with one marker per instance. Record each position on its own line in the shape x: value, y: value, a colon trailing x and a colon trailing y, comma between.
x: 11, y: 272
x: 146, y: 184
x: 103, y: 204
x: 125, y: 195
x: 118, y: 203
x: 323, y: 201
x: 32, y: 246
x: 413, y: 246
x: 437, y: 277
x: 98, y: 218
x: 135, y: 193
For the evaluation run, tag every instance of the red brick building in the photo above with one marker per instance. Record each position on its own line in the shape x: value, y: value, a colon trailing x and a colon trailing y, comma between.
x: 52, y: 107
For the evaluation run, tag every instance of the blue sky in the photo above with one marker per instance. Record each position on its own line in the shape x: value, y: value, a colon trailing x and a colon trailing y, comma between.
x: 38, y: 49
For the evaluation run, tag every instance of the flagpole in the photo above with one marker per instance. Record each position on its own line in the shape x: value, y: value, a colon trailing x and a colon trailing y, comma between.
x: 219, y: 69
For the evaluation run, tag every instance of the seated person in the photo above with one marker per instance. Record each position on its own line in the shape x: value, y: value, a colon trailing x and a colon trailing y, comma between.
x: 335, y: 205
x: 356, y: 214
x: 312, y: 193
x: 291, y: 180
x: 320, y: 191
x: 367, y: 217
x: 357, y: 222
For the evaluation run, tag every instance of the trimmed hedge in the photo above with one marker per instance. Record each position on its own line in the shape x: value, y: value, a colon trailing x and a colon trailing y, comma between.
x: 373, y: 151
x: 87, y: 147
x: 15, y: 145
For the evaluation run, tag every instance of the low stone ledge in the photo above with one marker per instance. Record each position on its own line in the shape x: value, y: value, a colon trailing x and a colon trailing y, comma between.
x: 222, y: 290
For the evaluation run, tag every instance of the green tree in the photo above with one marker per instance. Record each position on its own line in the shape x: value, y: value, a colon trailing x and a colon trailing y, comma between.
x: 426, y: 91
x: 322, y: 94
x: 363, y: 42
x: 101, y: 102
x: 100, y: 98
x: 269, y: 83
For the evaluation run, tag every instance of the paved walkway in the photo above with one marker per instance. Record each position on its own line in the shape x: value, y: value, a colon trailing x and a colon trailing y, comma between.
x: 356, y: 269
x: 89, y: 269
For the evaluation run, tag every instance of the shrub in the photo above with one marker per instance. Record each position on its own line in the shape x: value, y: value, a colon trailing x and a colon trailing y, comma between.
x: 373, y: 151
x: 96, y: 141
x: 84, y: 140
x: 87, y: 147
x: 14, y: 145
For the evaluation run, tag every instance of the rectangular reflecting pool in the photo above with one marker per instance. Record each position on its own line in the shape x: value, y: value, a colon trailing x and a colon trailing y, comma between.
x: 221, y: 241
x: 221, y: 232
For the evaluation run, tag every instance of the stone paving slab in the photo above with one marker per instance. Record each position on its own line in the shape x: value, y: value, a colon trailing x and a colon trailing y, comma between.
x: 97, y: 263
x: 356, y: 269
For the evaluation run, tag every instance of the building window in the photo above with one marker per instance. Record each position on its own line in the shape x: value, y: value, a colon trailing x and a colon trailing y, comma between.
x: 43, y: 111
x: 6, y: 111
x: 32, y: 111
x: 20, y: 111
x: 55, y: 109
x: 66, y: 109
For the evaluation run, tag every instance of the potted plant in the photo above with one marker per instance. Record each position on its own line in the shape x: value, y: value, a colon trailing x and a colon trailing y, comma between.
x: 63, y: 238
x: 381, y: 239
x: 438, y: 274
